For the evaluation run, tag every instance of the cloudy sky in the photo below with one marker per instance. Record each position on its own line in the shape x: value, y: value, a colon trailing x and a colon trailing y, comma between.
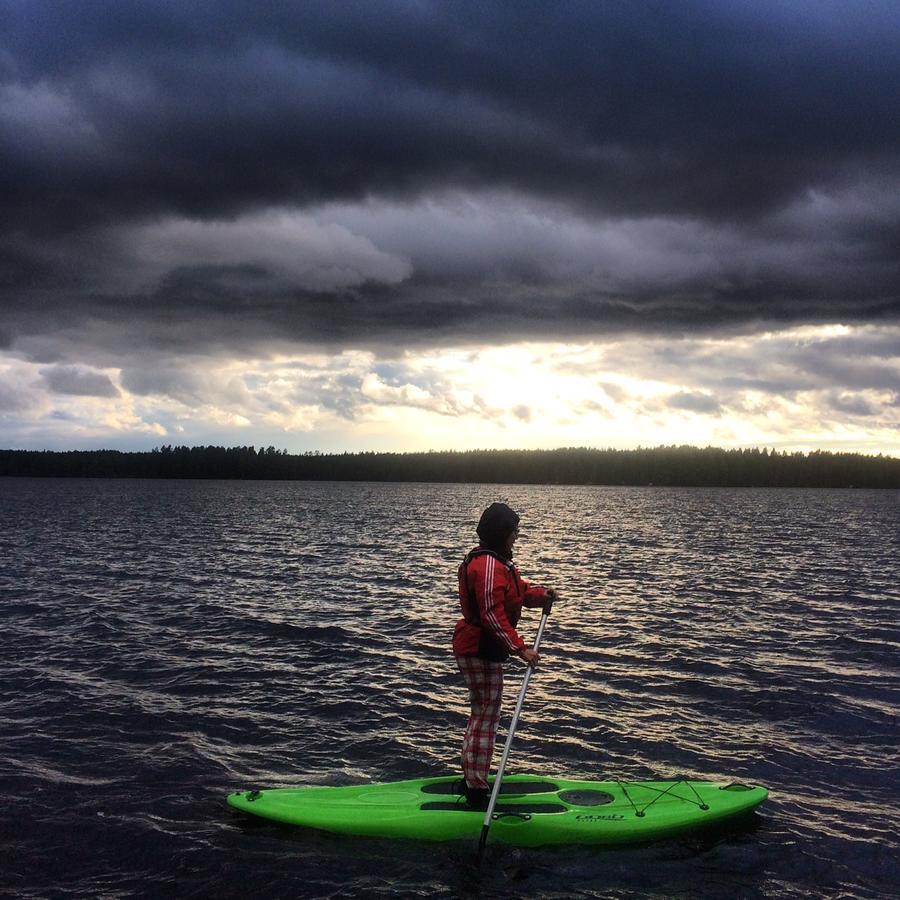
x: 413, y: 225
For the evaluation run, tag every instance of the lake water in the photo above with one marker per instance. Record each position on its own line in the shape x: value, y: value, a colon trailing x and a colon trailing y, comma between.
x: 165, y: 642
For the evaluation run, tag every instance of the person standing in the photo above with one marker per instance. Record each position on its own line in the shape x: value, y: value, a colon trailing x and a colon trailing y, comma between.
x: 491, y: 596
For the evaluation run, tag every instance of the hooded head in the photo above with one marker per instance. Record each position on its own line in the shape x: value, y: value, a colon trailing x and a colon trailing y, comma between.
x: 496, y: 524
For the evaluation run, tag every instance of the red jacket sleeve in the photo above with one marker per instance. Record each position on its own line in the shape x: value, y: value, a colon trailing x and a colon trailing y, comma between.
x: 493, y: 593
x: 533, y: 591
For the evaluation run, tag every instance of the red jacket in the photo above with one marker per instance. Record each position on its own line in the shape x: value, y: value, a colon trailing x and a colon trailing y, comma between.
x: 491, y: 594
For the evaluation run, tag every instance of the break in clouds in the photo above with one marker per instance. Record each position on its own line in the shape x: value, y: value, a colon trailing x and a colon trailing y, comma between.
x: 181, y: 187
x: 806, y: 387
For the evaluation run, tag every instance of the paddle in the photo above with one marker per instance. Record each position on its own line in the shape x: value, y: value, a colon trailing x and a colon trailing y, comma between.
x: 498, y: 778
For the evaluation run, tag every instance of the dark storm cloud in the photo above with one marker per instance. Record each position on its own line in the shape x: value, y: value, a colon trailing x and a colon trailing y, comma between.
x: 852, y: 405
x: 163, y: 381
x: 774, y: 124
x: 78, y: 382
x: 784, y: 365
x: 693, y: 402
x: 696, y: 106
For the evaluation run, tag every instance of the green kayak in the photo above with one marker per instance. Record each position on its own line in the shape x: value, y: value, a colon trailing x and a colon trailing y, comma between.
x: 530, y: 811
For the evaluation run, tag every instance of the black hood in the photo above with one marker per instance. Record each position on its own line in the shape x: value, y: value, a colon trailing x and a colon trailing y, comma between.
x: 496, y: 524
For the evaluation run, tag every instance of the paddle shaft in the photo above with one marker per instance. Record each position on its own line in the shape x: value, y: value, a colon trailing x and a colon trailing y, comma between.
x: 498, y: 778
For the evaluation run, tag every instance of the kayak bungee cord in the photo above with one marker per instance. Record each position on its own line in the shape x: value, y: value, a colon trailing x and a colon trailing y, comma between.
x: 498, y: 778
x: 660, y: 794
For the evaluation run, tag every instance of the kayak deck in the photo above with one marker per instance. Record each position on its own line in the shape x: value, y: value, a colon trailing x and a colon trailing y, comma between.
x: 531, y: 811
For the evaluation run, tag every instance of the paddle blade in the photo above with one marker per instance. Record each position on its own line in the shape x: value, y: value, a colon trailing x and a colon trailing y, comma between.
x: 482, y: 841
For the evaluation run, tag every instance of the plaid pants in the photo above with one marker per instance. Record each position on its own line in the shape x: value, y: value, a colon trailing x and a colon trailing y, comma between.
x: 485, y: 683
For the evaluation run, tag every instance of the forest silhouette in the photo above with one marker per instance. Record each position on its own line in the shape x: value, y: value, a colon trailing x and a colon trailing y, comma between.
x: 666, y: 466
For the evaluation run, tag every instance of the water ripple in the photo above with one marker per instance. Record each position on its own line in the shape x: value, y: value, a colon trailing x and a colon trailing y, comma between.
x: 168, y: 641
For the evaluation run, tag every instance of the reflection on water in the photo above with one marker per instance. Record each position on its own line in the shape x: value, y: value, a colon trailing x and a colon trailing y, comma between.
x: 169, y: 641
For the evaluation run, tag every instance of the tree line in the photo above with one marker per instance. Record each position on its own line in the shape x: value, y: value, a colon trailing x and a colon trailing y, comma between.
x: 668, y: 466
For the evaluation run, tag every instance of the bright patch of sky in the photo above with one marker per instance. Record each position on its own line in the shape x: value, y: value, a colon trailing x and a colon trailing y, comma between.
x: 834, y: 387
